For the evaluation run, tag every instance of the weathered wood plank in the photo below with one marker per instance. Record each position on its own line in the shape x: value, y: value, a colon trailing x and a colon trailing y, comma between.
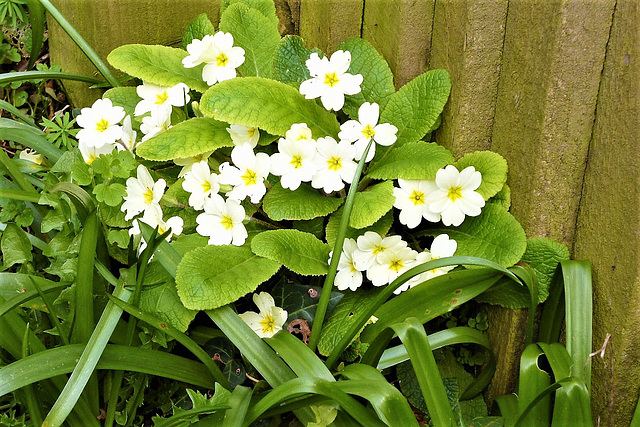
x: 608, y: 232
x: 327, y: 23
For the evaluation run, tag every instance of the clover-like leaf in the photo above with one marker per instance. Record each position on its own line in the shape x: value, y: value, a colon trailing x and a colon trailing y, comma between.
x: 300, y: 252
x: 371, y: 204
x: 231, y: 272
x: 493, y: 168
x: 111, y: 194
x: 416, y: 160
x: 303, y: 203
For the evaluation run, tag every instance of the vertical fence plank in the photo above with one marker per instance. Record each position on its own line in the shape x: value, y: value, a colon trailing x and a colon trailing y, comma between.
x: 467, y: 41
x: 608, y: 232
x: 327, y: 23
x: 401, y: 31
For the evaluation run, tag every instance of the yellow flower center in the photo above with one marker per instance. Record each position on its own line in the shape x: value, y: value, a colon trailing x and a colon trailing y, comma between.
x: 250, y: 177
x: 353, y: 267
x: 296, y: 161
x: 227, y: 222
x: 268, y: 324
x: 148, y: 196
x: 206, y: 187
x: 161, y: 98
x: 251, y: 132
x: 92, y: 157
x: 454, y: 193
x: 161, y: 229
x: 417, y: 197
x: 335, y: 164
x: 396, y: 265
x: 102, y: 125
x: 222, y: 60
x: 368, y: 132
x: 378, y: 249
x: 330, y: 79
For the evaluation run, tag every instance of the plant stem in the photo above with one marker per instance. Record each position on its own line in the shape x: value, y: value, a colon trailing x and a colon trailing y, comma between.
x: 325, y: 294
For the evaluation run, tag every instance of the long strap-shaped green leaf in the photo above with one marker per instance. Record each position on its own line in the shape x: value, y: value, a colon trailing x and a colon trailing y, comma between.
x: 533, y: 381
x: 16, y: 112
x: 298, y: 356
x: 411, y: 333
x: 34, y: 138
x: 37, y: 20
x: 239, y: 401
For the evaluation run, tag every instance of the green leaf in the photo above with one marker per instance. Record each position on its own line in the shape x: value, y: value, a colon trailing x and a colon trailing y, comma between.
x: 342, y: 318
x: 186, y: 139
x: 111, y: 194
x: 16, y: 247
x: 495, y: 235
x: 16, y: 284
x: 503, y: 197
x: 159, y: 65
x: 112, y: 216
x: 493, y: 168
x: 303, y: 203
x: 230, y: 272
x: 125, y: 97
x: 381, y: 227
x: 415, y: 108
x: 416, y: 160
x: 300, y: 252
x: 267, y: 104
x: 377, y: 85
x: 289, y: 60
x: 371, y: 204
x: 297, y: 299
x: 197, y: 29
x: 80, y: 173
x: 266, y: 7
x: 256, y: 34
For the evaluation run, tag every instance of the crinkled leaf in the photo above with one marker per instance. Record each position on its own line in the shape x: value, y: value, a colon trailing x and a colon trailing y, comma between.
x: 197, y: 29
x: 186, y: 139
x: 415, y: 108
x: 381, y: 227
x: 301, y: 301
x: 289, y: 60
x: 495, y: 235
x: 214, y: 276
x: 303, y: 203
x: 416, y: 160
x: 159, y: 65
x: 256, y: 34
x: 371, y: 204
x: 377, y: 85
x: 493, y: 168
x: 111, y: 194
x: 16, y: 247
x: 266, y: 7
x: 342, y: 318
x: 267, y: 104
x: 503, y: 197
x: 302, y: 253
x: 314, y: 226
x: 125, y: 97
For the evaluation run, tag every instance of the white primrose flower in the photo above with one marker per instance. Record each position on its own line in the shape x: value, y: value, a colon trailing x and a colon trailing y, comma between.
x: 364, y: 129
x: 248, y: 174
x: 441, y: 247
x: 188, y: 162
x: 348, y: 276
x: 411, y: 199
x: 391, y: 264
x: 142, y: 194
x: 161, y: 99
x: 297, y: 132
x: 371, y: 245
x: 155, y: 124
x: 335, y: 165
x: 99, y: 123
x: 201, y: 183
x: 219, y: 55
x: 128, y: 138
x: 244, y: 135
x: 31, y: 156
x: 153, y: 218
x: 222, y: 222
x: 329, y: 79
x: 294, y: 162
x: 455, y: 196
x: 270, y: 319
x: 90, y: 153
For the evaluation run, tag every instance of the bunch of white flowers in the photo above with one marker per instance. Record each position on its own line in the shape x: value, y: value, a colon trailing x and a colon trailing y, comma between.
x: 383, y: 259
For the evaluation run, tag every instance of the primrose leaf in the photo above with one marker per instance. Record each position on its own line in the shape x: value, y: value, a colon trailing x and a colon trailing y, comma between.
x: 415, y: 108
x: 302, y: 203
x: 495, y: 235
x: 503, y: 197
x: 16, y: 247
x: 289, y: 60
x: 371, y: 204
x: 125, y: 97
x: 159, y: 65
x: 213, y: 276
x: 381, y: 227
x: 300, y: 252
x: 416, y: 160
x: 493, y: 168
x: 256, y: 34
x: 197, y: 29
x: 340, y: 321
x: 301, y: 301
x: 112, y: 216
x: 268, y: 105
x: 377, y: 85
x: 266, y: 7
x: 186, y: 139
x: 111, y: 194
x: 543, y: 255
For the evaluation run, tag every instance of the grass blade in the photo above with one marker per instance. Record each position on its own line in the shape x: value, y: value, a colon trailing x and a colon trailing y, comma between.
x: 31, y: 400
x: 26, y: 196
x: 19, y: 114
x: 553, y: 311
x: 239, y: 402
x: 22, y: 76
x: 78, y: 196
x: 51, y: 311
x: 15, y: 174
x: 29, y: 136
x: 532, y: 382
x: 298, y: 356
x: 14, y: 302
x: 36, y: 19
x: 84, y: 323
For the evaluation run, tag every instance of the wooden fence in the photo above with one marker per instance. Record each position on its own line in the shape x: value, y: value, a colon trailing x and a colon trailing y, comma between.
x: 551, y: 85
